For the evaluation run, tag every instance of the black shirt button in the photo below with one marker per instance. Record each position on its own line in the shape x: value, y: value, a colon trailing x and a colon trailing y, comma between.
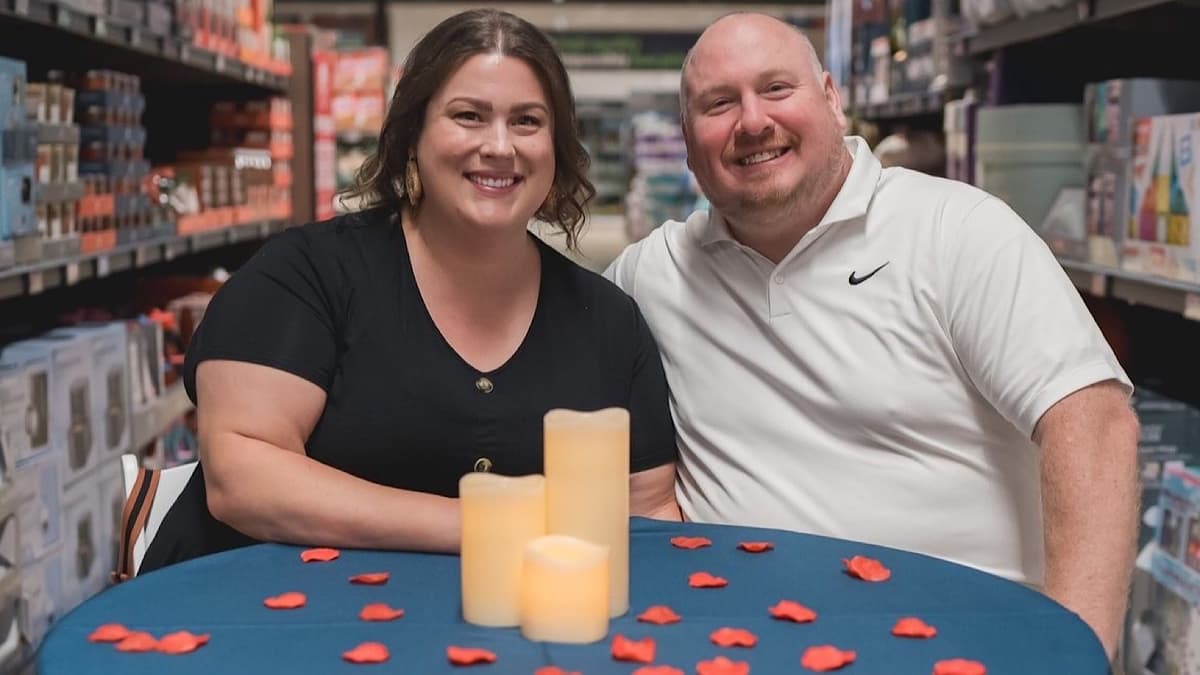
x: 483, y: 464
x: 484, y: 385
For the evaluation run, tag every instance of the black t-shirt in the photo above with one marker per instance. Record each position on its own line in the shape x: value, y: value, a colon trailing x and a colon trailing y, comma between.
x: 337, y: 304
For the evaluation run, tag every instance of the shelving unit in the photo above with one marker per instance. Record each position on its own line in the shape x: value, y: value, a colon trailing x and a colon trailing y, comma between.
x: 26, y: 24
x: 1080, y: 14
x: 1138, y: 289
x: 150, y: 424
x: 36, y: 278
x: 901, y: 107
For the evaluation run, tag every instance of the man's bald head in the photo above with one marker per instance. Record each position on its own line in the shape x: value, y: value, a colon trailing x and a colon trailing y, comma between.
x: 738, y: 21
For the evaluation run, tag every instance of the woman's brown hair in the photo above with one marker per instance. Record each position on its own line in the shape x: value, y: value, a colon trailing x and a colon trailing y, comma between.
x: 431, y: 62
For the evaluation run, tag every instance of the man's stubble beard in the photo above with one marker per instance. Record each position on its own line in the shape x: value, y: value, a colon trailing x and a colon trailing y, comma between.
x: 781, y: 204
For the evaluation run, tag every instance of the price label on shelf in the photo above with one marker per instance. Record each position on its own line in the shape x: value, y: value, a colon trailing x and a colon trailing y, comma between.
x: 62, y: 16
x: 168, y: 251
x: 1191, y: 306
x: 103, y: 266
x: 36, y: 284
x: 21, y: 7
x: 139, y: 256
x: 99, y: 28
x: 71, y: 274
x: 1098, y: 285
x: 220, y: 63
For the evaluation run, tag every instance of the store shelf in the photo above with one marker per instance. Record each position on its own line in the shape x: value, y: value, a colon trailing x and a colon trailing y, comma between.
x: 902, y: 106
x: 36, y: 278
x: 150, y: 424
x: 82, y: 41
x: 1055, y: 21
x: 1138, y: 289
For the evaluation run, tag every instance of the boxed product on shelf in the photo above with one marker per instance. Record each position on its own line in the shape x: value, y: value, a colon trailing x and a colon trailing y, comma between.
x: 18, y: 156
x: 144, y: 341
x: 10, y: 587
x: 110, y: 375
x: 1163, y: 227
x: 1111, y: 108
x: 1176, y: 561
x: 112, y: 502
x: 73, y: 434
x: 84, y: 573
x: 42, y: 599
x: 25, y: 420
x: 39, y: 509
x: 1028, y: 155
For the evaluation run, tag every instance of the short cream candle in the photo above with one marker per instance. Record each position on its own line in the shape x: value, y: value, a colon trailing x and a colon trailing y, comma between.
x: 564, y: 590
x: 587, y: 486
x: 500, y: 515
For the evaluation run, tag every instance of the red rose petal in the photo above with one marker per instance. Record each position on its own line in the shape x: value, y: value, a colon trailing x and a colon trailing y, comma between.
x: 291, y: 600
x: 867, y: 569
x: 181, y: 642
x: 109, y: 632
x: 371, y: 578
x: 138, y: 641
x: 691, y: 542
x: 320, y: 555
x: 659, y: 614
x: 792, y: 611
x: 722, y: 666
x: 379, y: 611
x: 624, y: 649
x: 658, y: 670
x: 959, y: 667
x: 826, y: 657
x: 733, y: 637
x: 756, y: 546
x: 555, y: 670
x: 367, y: 652
x: 914, y: 628
x: 706, y: 580
x: 469, y: 656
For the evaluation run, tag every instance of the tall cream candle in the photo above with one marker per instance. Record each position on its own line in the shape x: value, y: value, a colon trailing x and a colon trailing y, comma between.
x: 587, y: 486
x: 500, y: 515
x: 564, y: 590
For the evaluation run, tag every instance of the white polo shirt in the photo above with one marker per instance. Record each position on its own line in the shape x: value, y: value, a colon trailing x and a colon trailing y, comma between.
x: 883, y: 382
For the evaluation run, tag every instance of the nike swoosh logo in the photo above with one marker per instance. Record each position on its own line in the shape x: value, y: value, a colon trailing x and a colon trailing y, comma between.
x: 854, y: 281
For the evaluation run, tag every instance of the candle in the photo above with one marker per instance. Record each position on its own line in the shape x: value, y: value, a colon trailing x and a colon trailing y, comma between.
x: 587, y: 487
x: 564, y: 590
x: 500, y: 514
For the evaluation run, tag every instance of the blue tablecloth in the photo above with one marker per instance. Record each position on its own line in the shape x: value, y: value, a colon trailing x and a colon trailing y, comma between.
x: 1011, y: 629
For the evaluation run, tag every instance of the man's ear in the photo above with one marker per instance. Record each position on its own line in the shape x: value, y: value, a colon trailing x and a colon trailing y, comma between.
x: 687, y: 142
x: 833, y: 98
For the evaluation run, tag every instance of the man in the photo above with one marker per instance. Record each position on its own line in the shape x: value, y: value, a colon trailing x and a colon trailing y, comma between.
x: 878, y: 354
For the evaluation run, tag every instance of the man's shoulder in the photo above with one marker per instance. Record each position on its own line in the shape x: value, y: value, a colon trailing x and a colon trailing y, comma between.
x: 914, y: 188
x: 661, y: 252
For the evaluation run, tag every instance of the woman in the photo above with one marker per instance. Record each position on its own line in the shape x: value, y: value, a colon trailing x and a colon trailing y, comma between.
x: 355, y: 369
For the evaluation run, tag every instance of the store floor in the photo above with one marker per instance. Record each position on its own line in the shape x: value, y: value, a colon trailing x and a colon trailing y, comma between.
x: 602, y: 240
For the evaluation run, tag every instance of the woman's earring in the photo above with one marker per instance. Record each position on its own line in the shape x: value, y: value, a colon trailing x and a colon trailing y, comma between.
x: 412, y: 182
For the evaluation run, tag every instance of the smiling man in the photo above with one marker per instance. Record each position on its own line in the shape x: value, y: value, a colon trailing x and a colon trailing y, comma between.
x: 877, y: 354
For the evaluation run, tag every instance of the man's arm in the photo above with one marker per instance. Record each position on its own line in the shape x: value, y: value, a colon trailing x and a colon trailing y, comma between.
x: 652, y: 493
x: 1090, y: 497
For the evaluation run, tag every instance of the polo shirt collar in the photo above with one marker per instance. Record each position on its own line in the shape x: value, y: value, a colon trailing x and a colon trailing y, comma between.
x: 851, y: 201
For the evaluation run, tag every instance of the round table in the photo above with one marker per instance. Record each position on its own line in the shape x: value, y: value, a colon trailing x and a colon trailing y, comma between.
x: 1006, y: 626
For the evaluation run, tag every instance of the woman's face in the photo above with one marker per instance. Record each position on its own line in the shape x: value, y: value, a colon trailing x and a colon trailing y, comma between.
x: 486, y: 153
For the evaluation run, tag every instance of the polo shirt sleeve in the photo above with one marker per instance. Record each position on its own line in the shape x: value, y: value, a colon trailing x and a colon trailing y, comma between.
x: 623, y: 270
x: 279, y: 310
x: 1018, y: 325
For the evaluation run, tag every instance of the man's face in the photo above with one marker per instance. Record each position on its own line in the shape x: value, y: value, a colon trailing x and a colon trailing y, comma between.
x: 763, y: 129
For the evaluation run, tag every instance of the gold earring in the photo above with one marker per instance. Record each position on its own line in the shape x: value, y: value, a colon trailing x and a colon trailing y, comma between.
x: 412, y: 181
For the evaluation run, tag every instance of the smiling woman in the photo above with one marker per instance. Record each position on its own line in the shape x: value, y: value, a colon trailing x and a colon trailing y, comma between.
x: 355, y: 369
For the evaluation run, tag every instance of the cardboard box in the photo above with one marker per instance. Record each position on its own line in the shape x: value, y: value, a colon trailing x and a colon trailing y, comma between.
x: 110, y: 378
x: 84, y: 545
x: 42, y: 600
x: 112, y: 502
x: 1163, y: 221
x: 39, y: 510
x: 1176, y: 562
x: 27, y: 432
x: 144, y: 343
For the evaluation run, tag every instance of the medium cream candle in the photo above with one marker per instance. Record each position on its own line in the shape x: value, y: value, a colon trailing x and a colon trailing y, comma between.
x: 500, y: 515
x: 587, y: 487
x: 564, y: 590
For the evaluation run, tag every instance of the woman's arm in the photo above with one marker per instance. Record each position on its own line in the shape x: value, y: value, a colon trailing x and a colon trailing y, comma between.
x: 652, y: 493
x: 254, y: 421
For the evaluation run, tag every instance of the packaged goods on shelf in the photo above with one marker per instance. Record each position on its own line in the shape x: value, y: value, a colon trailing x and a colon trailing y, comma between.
x: 1176, y: 562
x: 18, y: 164
x: 1111, y: 109
x: 1163, y: 222
x: 1031, y: 156
x: 959, y: 126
